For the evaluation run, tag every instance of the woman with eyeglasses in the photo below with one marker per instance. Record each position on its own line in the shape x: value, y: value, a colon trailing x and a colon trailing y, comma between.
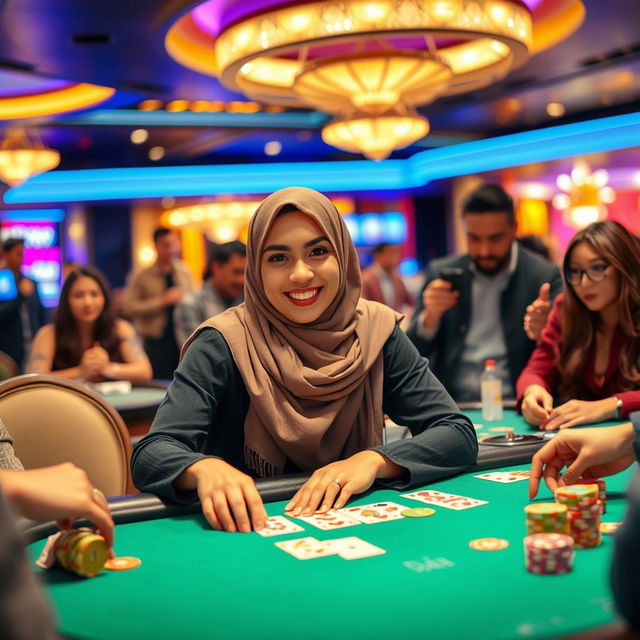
x: 589, y: 351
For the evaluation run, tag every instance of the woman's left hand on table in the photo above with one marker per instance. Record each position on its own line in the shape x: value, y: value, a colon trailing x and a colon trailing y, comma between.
x: 332, y: 485
x: 576, y: 412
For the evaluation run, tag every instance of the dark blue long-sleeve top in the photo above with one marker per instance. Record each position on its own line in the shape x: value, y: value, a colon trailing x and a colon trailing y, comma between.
x: 204, y: 410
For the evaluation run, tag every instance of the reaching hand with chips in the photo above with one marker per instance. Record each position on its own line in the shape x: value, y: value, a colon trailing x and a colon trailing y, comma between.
x: 332, y: 485
x: 62, y: 492
x: 229, y: 498
x: 593, y: 453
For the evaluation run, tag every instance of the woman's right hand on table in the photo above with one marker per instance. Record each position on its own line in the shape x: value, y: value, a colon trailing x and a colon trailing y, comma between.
x: 229, y: 498
x: 537, y: 404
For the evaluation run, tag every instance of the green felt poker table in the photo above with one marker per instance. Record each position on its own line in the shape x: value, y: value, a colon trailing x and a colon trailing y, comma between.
x: 195, y: 582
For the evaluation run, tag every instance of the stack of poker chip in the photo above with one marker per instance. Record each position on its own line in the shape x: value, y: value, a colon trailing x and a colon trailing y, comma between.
x: 602, y: 490
x: 584, y: 510
x: 547, y: 517
x: 81, y: 551
x: 548, y: 553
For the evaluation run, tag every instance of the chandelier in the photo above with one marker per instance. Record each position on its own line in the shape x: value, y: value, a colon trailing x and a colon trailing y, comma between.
x: 23, y: 156
x: 371, y: 62
x: 584, y: 195
x: 365, y: 59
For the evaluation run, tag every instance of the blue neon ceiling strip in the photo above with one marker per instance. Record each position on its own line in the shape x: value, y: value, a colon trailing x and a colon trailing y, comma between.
x: 541, y: 145
x: 136, y: 118
x: 32, y: 215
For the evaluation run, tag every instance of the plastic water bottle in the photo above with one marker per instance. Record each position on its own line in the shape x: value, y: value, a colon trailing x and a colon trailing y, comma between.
x: 491, y: 392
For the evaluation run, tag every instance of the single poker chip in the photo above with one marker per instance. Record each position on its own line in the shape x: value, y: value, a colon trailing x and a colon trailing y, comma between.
x: 489, y: 544
x: 501, y: 429
x: 609, y: 528
x: 418, y: 512
x: 124, y: 563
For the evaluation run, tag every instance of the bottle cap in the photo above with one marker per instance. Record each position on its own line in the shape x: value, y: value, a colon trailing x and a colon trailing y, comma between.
x: 489, y: 363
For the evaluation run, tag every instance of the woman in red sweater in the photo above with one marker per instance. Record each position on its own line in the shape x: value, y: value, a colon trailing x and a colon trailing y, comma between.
x: 589, y: 350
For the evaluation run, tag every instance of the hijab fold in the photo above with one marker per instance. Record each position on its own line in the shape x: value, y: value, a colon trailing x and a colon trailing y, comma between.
x: 315, y: 390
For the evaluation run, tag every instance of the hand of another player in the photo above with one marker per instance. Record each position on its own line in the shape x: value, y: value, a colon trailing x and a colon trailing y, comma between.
x: 537, y: 313
x: 229, y: 498
x: 332, y: 485
x: 437, y: 298
x: 63, y: 493
x: 595, y: 452
x: 575, y: 412
x: 537, y: 404
x: 172, y: 296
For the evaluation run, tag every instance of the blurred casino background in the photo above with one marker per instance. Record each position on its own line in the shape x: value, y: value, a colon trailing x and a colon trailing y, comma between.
x: 117, y: 116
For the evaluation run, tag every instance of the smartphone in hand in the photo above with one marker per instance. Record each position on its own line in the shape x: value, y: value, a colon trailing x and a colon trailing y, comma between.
x: 453, y: 275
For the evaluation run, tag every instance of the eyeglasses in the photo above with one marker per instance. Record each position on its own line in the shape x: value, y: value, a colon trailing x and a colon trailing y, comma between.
x: 596, y: 273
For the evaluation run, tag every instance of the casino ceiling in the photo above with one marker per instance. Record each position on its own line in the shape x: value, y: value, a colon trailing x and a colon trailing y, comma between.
x: 149, y: 74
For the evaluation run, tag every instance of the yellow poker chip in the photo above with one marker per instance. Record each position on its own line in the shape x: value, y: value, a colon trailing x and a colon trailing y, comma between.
x: 501, y: 429
x: 418, y: 512
x: 609, y: 528
x: 521, y: 472
x: 489, y: 544
x: 124, y: 563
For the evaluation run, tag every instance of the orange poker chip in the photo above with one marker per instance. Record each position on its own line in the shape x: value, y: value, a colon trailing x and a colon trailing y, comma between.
x: 124, y: 563
x: 489, y: 544
x: 609, y: 528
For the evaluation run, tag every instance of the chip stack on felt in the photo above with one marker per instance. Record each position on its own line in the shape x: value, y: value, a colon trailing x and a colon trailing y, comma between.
x: 82, y: 552
x: 584, y: 510
x: 547, y: 517
x: 548, y: 553
x: 602, y: 490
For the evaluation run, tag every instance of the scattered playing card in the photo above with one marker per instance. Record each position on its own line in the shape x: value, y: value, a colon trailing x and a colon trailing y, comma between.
x: 278, y: 526
x: 330, y: 520
x: 375, y: 512
x: 447, y: 500
x: 502, y: 476
x: 354, y: 548
x: 307, y: 548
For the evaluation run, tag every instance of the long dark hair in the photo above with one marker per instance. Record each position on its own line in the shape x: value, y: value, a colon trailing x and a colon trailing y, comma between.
x: 621, y: 250
x: 68, y: 348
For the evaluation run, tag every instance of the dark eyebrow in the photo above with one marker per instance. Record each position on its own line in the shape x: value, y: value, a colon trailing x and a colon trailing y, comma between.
x: 315, y: 241
x: 284, y: 247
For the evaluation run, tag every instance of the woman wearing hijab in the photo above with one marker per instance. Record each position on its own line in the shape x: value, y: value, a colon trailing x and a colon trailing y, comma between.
x: 298, y: 379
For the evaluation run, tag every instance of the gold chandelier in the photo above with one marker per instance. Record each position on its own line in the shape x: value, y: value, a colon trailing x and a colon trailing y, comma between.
x: 366, y: 60
x: 23, y: 156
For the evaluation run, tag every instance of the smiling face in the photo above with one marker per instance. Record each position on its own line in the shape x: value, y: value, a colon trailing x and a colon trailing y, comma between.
x: 299, y: 268
x: 596, y: 296
x: 86, y: 300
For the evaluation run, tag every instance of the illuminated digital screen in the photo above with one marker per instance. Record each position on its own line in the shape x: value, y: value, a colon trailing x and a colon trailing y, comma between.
x: 42, y: 252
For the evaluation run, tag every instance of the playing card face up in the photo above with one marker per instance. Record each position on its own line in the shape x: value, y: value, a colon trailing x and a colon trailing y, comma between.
x: 447, y: 500
x: 354, y: 548
x: 278, y: 526
x: 307, y: 548
x: 375, y: 512
x: 502, y: 476
x: 351, y: 548
x: 330, y: 520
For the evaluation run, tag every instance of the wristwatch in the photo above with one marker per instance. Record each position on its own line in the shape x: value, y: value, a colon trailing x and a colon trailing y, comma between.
x: 619, y: 404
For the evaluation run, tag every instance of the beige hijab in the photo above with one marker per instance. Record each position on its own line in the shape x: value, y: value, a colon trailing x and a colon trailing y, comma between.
x: 315, y: 389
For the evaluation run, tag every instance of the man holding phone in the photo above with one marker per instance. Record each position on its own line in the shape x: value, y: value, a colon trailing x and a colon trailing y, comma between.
x: 473, y: 306
x: 22, y: 315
